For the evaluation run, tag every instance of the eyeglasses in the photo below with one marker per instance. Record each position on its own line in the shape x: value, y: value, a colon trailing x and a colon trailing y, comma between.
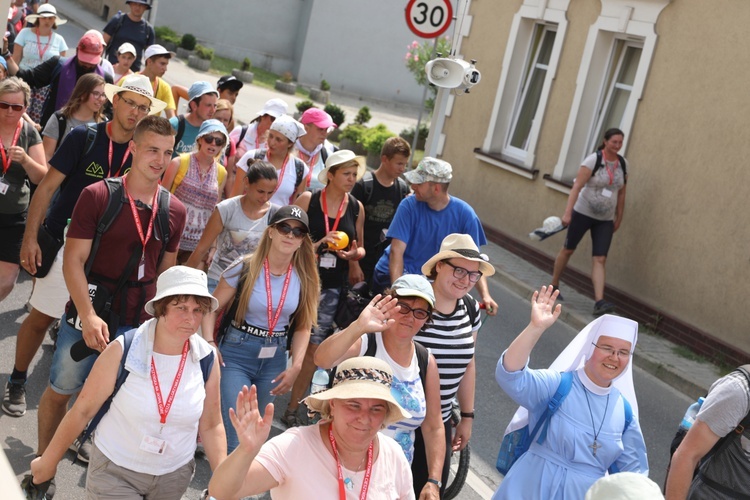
x: 212, y: 139
x: 15, y: 107
x: 419, y: 314
x: 285, y: 229
x: 461, y: 273
x: 134, y: 105
x: 609, y: 351
x: 98, y: 95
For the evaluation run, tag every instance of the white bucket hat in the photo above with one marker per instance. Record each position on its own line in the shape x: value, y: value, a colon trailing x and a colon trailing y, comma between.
x: 459, y: 246
x: 274, y: 107
x: 139, y: 84
x: 624, y: 486
x: 339, y: 157
x: 361, y: 377
x: 46, y: 10
x: 181, y: 280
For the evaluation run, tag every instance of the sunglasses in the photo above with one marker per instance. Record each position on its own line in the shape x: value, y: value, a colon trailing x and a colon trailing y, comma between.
x: 212, y: 139
x: 15, y: 107
x: 285, y: 229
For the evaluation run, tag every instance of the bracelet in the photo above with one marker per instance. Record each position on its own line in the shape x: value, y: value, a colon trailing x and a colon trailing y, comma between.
x: 6, y: 54
x: 467, y: 414
x: 435, y: 482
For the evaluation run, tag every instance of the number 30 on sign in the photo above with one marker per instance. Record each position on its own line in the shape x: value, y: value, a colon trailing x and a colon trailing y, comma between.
x: 429, y: 18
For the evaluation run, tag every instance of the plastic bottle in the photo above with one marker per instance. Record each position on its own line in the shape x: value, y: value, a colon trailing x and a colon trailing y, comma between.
x: 692, y: 411
x: 319, y: 383
x: 65, y: 231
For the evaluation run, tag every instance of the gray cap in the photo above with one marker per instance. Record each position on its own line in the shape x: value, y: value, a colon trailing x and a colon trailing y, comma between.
x: 430, y: 170
x: 414, y: 285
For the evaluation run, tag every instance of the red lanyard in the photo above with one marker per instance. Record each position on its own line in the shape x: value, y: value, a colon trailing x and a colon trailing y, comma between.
x: 311, y: 161
x: 134, y: 210
x: 368, y: 468
x: 611, y: 173
x: 273, y: 319
x: 164, y: 408
x: 325, y: 210
x: 281, y: 175
x: 6, y: 157
x: 39, y: 45
x: 111, y: 153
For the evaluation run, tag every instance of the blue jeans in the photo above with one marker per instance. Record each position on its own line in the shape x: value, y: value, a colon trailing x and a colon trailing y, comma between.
x: 212, y: 284
x: 327, y: 306
x: 65, y: 375
x: 242, y: 366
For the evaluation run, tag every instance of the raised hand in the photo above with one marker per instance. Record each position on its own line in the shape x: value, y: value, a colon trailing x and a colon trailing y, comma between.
x: 378, y: 314
x: 252, y: 430
x: 544, y: 312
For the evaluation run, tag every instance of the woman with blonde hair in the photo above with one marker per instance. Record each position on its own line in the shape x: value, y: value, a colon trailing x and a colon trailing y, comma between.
x: 84, y: 106
x: 225, y: 114
x: 197, y: 180
x: 274, y: 295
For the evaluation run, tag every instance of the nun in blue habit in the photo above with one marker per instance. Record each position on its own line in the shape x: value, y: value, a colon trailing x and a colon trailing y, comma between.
x: 588, y: 435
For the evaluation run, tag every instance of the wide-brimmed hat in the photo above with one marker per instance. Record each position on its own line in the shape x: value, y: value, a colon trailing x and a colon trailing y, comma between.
x: 459, y: 246
x: 181, y: 280
x: 229, y: 81
x: 274, y: 107
x: 430, y: 170
x: 414, y: 285
x: 288, y: 127
x: 363, y: 377
x: 91, y: 47
x: 339, y: 157
x: 46, y: 10
x: 290, y: 212
x: 624, y: 486
x: 139, y: 84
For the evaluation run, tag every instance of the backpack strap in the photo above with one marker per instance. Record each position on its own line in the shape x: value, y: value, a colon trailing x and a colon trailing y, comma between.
x: 230, y: 313
x: 600, y: 163
x: 221, y: 173
x: 62, y: 123
x: 260, y: 154
x: 566, y: 381
x: 120, y: 20
x: 162, y: 218
x: 423, y: 361
x: 372, y: 346
x: 181, y: 171
x: 614, y: 469
x: 367, y: 183
x: 243, y: 132
x: 91, y: 131
x: 180, y: 129
x: 299, y: 168
x: 114, y: 205
x: 471, y: 308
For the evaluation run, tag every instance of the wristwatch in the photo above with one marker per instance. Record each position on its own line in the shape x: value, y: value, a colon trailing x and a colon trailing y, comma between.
x: 435, y: 482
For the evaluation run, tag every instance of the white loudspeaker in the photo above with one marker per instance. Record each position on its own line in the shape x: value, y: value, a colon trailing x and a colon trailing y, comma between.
x: 451, y: 73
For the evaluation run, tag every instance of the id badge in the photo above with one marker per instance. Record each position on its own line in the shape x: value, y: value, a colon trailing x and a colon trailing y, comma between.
x: 267, y: 352
x: 92, y: 293
x: 606, y: 193
x: 141, y: 270
x: 328, y: 261
x: 4, y: 186
x: 154, y: 445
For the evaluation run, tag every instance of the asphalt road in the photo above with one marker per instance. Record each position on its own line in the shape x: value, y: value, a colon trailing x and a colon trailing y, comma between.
x: 661, y: 406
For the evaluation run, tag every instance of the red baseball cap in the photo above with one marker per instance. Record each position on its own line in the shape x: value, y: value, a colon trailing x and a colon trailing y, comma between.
x: 90, y: 47
x: 317, y: 117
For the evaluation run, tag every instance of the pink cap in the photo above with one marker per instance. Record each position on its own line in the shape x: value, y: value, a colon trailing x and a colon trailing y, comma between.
x: 317, y: 117
x: 91, y: 47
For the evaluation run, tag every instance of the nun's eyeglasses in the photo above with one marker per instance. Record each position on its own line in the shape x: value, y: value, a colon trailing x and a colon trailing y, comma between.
x: 609, y: 351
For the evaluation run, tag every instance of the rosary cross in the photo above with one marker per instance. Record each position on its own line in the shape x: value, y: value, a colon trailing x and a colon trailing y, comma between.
x: 595, y: 446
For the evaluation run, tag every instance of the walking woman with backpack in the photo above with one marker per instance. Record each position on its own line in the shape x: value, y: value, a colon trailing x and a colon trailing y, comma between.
x: 84, y: 106
x: 254, y: 134
x: 272, y: 296
x: 451, y: 336
x: 386, y: 329
x: 197, y: 180
x: 594, y: 430
x: 282, y: 136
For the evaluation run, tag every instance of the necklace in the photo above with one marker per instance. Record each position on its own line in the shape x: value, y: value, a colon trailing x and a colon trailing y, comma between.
x: 595, y: 445
x: 348, y: 480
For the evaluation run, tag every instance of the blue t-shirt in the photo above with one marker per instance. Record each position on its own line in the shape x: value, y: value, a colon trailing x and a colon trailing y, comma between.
x: 81, y: 171
x: 52, y: 45
x: 423, y: 229
x: 186, y: 144
x: 140, y: 34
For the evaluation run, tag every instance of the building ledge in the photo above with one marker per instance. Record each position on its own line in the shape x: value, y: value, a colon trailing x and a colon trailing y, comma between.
x: 506, y: 163
x: 557, y: 185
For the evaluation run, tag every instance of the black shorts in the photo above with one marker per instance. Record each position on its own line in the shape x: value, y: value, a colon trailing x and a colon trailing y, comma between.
x: 11, y: 227
x: 601, y: 233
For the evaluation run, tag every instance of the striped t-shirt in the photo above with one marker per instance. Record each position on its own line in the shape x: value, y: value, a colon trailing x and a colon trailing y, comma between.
x: 449, y: 338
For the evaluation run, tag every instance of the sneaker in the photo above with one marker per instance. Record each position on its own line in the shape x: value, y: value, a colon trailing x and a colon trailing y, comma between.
x: 83, y: 450
x: 559, y: 295
x: 14, y: 400
x: 603, y: 307
x: 290, y: 418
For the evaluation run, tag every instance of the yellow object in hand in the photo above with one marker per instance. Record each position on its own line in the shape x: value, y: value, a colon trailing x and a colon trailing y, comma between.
x: 342, y: 241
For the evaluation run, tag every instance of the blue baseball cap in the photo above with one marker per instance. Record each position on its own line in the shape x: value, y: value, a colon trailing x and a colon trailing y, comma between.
x: 210, y: 126
x: 201, y: 88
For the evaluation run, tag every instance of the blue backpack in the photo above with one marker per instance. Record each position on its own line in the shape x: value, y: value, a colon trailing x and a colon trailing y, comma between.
x: 518, y: 442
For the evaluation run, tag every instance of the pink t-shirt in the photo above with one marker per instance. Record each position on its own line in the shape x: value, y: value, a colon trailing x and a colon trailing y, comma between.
x: 299, y: 461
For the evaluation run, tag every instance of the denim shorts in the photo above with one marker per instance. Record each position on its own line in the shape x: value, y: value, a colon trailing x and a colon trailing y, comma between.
x: 239, y: 352
x: 329, y: 302
x: 65, y: 375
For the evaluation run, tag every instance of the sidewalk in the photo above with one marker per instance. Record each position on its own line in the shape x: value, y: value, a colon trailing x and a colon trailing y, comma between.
x: 654, y: 354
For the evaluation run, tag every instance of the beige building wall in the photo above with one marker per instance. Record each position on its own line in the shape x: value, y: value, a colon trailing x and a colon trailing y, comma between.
x: 684, y: 246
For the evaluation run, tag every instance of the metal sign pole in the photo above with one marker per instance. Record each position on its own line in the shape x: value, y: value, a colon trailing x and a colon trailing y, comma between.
x: 421, y: 111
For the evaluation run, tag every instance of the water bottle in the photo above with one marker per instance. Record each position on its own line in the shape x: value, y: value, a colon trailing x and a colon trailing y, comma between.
x: 319, y: 383
x: 692, y: 411
x: 65, y: 231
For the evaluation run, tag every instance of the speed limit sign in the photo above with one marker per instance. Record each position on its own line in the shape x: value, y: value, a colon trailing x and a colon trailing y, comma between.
x: 429, y: 18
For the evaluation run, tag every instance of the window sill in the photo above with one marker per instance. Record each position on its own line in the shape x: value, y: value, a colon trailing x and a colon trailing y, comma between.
x: 557, y: 185
x: 506, y: 163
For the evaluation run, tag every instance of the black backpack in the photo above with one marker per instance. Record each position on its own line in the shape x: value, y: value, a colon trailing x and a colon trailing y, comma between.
x: 91, y: 132
x: 299, y: 166
x: 600, y: 164
x: 367, y: 182
x: 120, y: 16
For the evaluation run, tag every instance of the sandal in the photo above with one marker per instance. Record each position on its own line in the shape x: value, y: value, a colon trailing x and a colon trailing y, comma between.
x: 290, y: 418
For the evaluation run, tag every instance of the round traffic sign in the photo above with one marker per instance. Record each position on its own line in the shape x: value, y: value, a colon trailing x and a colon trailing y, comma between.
x: 429, y: 18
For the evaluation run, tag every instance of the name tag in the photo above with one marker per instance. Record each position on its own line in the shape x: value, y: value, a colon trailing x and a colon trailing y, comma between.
x: 267, y: 352
x: 154, y: 445
x: 328, y: 261
x: 4, y: 186
x: 606, y: 193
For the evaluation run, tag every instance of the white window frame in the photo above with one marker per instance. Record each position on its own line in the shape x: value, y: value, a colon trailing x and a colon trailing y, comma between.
x: 533, y: 14
x: 628, y: 20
